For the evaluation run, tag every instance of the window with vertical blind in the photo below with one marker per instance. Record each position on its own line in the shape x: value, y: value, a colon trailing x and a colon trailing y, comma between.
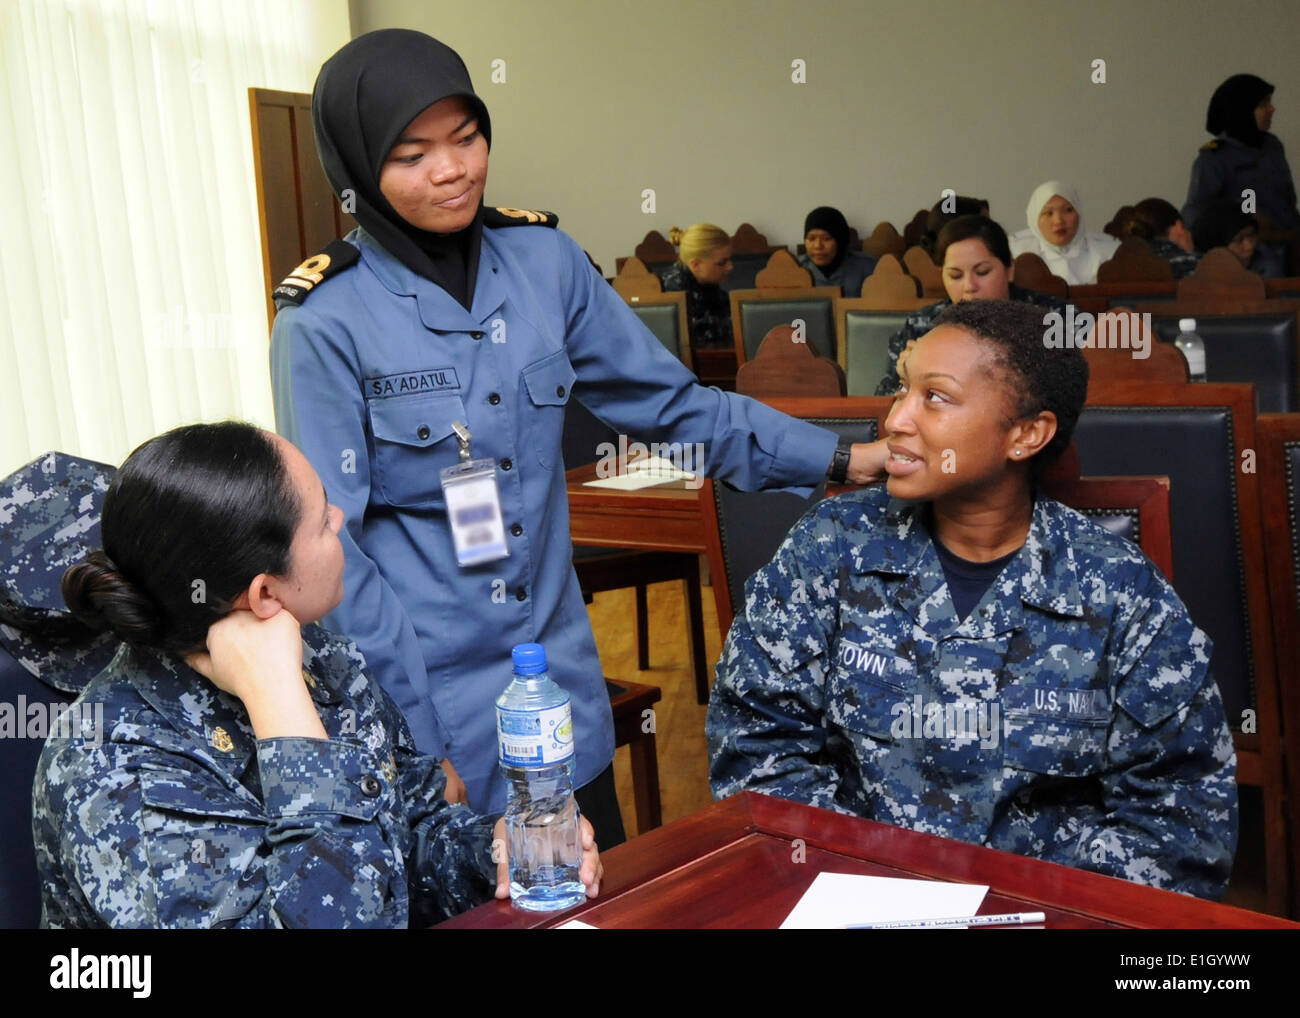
x: 132, y: 296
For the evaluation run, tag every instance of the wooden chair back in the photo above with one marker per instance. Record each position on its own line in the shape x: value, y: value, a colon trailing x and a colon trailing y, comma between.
x: 1134, y: 262
x: 1119, y: 338
x: 634, y: 279
x: 891, y: 288
x: 1032, y: 273
x: 782, y: 272
x: 884, y: 240
x: 918, y: 263
x: 784, y: 366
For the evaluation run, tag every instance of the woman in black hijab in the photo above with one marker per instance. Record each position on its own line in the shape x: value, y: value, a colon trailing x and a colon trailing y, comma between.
x: 828, y: 255
x: 1245, y: 163
x: 440, y: 315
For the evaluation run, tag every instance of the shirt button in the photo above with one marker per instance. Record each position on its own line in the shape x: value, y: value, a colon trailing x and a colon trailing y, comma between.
x: 494, y: 399
x: 370, y: 786
x: 422, y: 432
x: 476, y: 335
x: 516, y: 529
x: 521, y: 594
x: 559, y: 390
x: 506, y: 464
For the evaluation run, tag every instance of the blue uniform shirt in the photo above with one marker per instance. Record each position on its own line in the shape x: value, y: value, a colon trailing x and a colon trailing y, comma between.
x: 1071, y: 716
x: 370, y: 372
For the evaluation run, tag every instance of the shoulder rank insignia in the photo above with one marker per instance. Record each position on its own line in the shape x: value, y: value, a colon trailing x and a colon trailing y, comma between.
x: 336, y: 256
x: 498, y: 216
x: 1212, y: 146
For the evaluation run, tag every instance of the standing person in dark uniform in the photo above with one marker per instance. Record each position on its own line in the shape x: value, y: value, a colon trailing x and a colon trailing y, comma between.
x: 703, y: 265
x: 1158, y: 223
x: 441, y: 331
x: 828, y: 255
x: 1245, y: 156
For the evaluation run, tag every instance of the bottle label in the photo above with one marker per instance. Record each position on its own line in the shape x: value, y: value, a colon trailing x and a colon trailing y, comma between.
x: 534, y: 738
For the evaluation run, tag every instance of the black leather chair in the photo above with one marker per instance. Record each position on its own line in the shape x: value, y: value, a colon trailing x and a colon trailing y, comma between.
x: 755, y: 313
x: 1279, y: 473
x: 49, y: 519
x: 752, y: 524
x: 665, y: 316
x: 1260, y: 349
x: 1201, y: 436
x: 864, y: 344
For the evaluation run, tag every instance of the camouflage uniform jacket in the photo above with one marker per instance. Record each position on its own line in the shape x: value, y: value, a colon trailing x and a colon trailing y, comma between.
x: 180, y: 817
x: 1070, y: 717
x: 921, y: 321
x: 708, y: 308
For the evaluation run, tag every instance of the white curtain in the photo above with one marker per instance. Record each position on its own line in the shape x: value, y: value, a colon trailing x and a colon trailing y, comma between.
x: 131, y: 290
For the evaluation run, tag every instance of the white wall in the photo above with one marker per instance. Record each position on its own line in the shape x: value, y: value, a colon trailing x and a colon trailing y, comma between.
x: 695, y: 100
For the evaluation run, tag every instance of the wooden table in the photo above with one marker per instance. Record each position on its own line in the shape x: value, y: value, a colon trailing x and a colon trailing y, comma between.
x: 667, y: 517
x: 736, y: 864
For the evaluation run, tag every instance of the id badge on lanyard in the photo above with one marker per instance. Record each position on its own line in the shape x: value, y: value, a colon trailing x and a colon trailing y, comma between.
x: 473, y: 506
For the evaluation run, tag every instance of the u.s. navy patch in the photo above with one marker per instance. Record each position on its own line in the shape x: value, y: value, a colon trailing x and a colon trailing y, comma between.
x: 427, y: 380
x: 502, y: 216
x: 336, y: 256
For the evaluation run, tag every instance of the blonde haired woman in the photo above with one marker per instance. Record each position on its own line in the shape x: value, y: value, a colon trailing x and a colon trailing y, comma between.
x: 703, y: 264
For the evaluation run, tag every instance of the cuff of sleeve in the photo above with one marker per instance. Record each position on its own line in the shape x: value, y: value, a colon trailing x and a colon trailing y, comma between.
x: 803, y: 458
x: 301, y: 777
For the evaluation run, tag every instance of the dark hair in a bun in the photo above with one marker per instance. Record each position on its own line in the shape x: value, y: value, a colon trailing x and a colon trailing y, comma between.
x: 191, y: 517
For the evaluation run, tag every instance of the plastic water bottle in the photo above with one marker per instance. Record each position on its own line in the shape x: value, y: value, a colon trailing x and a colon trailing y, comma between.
x: 535, y: 738
x: 1193, y: 348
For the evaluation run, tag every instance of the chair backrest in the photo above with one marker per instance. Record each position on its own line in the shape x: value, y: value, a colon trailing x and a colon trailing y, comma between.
x: 1288, y: 287
x: 664, y: 314
x: 919, y: 264
x: 1220, y: 275
x: 1132, y: 262
x: 1032, y: 273
x: 1279, y: 474
x: 1198, y: 436
x: 1261, y: 349
x: 782, y: 272
x: 891, y: 288
x: 755, y: 313
x: 752, y: 524
x: 635, y: 280
x: 884, y: 240
x: 1118, y: 338
x: 1134, y: 508
x: 785, y: 366
x: 655, y: 249
x: 863, y: 334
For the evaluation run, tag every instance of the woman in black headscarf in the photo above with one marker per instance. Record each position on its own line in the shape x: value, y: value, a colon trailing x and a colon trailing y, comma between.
x: 828, y: 255
x: 441, y: 314
x: 1245, y: 163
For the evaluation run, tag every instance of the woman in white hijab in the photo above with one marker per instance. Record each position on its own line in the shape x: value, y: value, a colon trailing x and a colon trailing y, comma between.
x: 1055, y: 235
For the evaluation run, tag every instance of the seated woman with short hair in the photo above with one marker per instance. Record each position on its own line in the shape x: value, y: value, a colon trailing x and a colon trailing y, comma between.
x: 703, y: 265
x: 827, y: 254
x: 249, y: 772
x: 955, y: 653
x: 1161, y: 225
x: 976, y: 261
x: 1056, y: 234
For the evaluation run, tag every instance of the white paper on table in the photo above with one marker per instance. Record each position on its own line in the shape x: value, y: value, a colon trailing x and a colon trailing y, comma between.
x: 576, y: 924
x: 836, y: 900
x: 642, y: 473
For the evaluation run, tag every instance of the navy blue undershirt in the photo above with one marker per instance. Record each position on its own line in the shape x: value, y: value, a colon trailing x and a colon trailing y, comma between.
x: 967, y: 580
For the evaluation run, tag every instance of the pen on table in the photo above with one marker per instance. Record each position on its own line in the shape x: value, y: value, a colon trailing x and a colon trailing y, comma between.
x: 1006, y: 919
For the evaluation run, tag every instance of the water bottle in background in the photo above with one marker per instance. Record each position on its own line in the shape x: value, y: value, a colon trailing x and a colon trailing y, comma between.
x: 535, y: 738
x: 1193, y: 348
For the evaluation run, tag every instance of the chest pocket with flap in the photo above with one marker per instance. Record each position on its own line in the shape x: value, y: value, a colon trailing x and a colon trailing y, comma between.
x: 413, y: 441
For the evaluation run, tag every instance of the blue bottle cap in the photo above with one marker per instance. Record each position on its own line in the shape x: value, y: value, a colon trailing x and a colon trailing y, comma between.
x: 529, y: 658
